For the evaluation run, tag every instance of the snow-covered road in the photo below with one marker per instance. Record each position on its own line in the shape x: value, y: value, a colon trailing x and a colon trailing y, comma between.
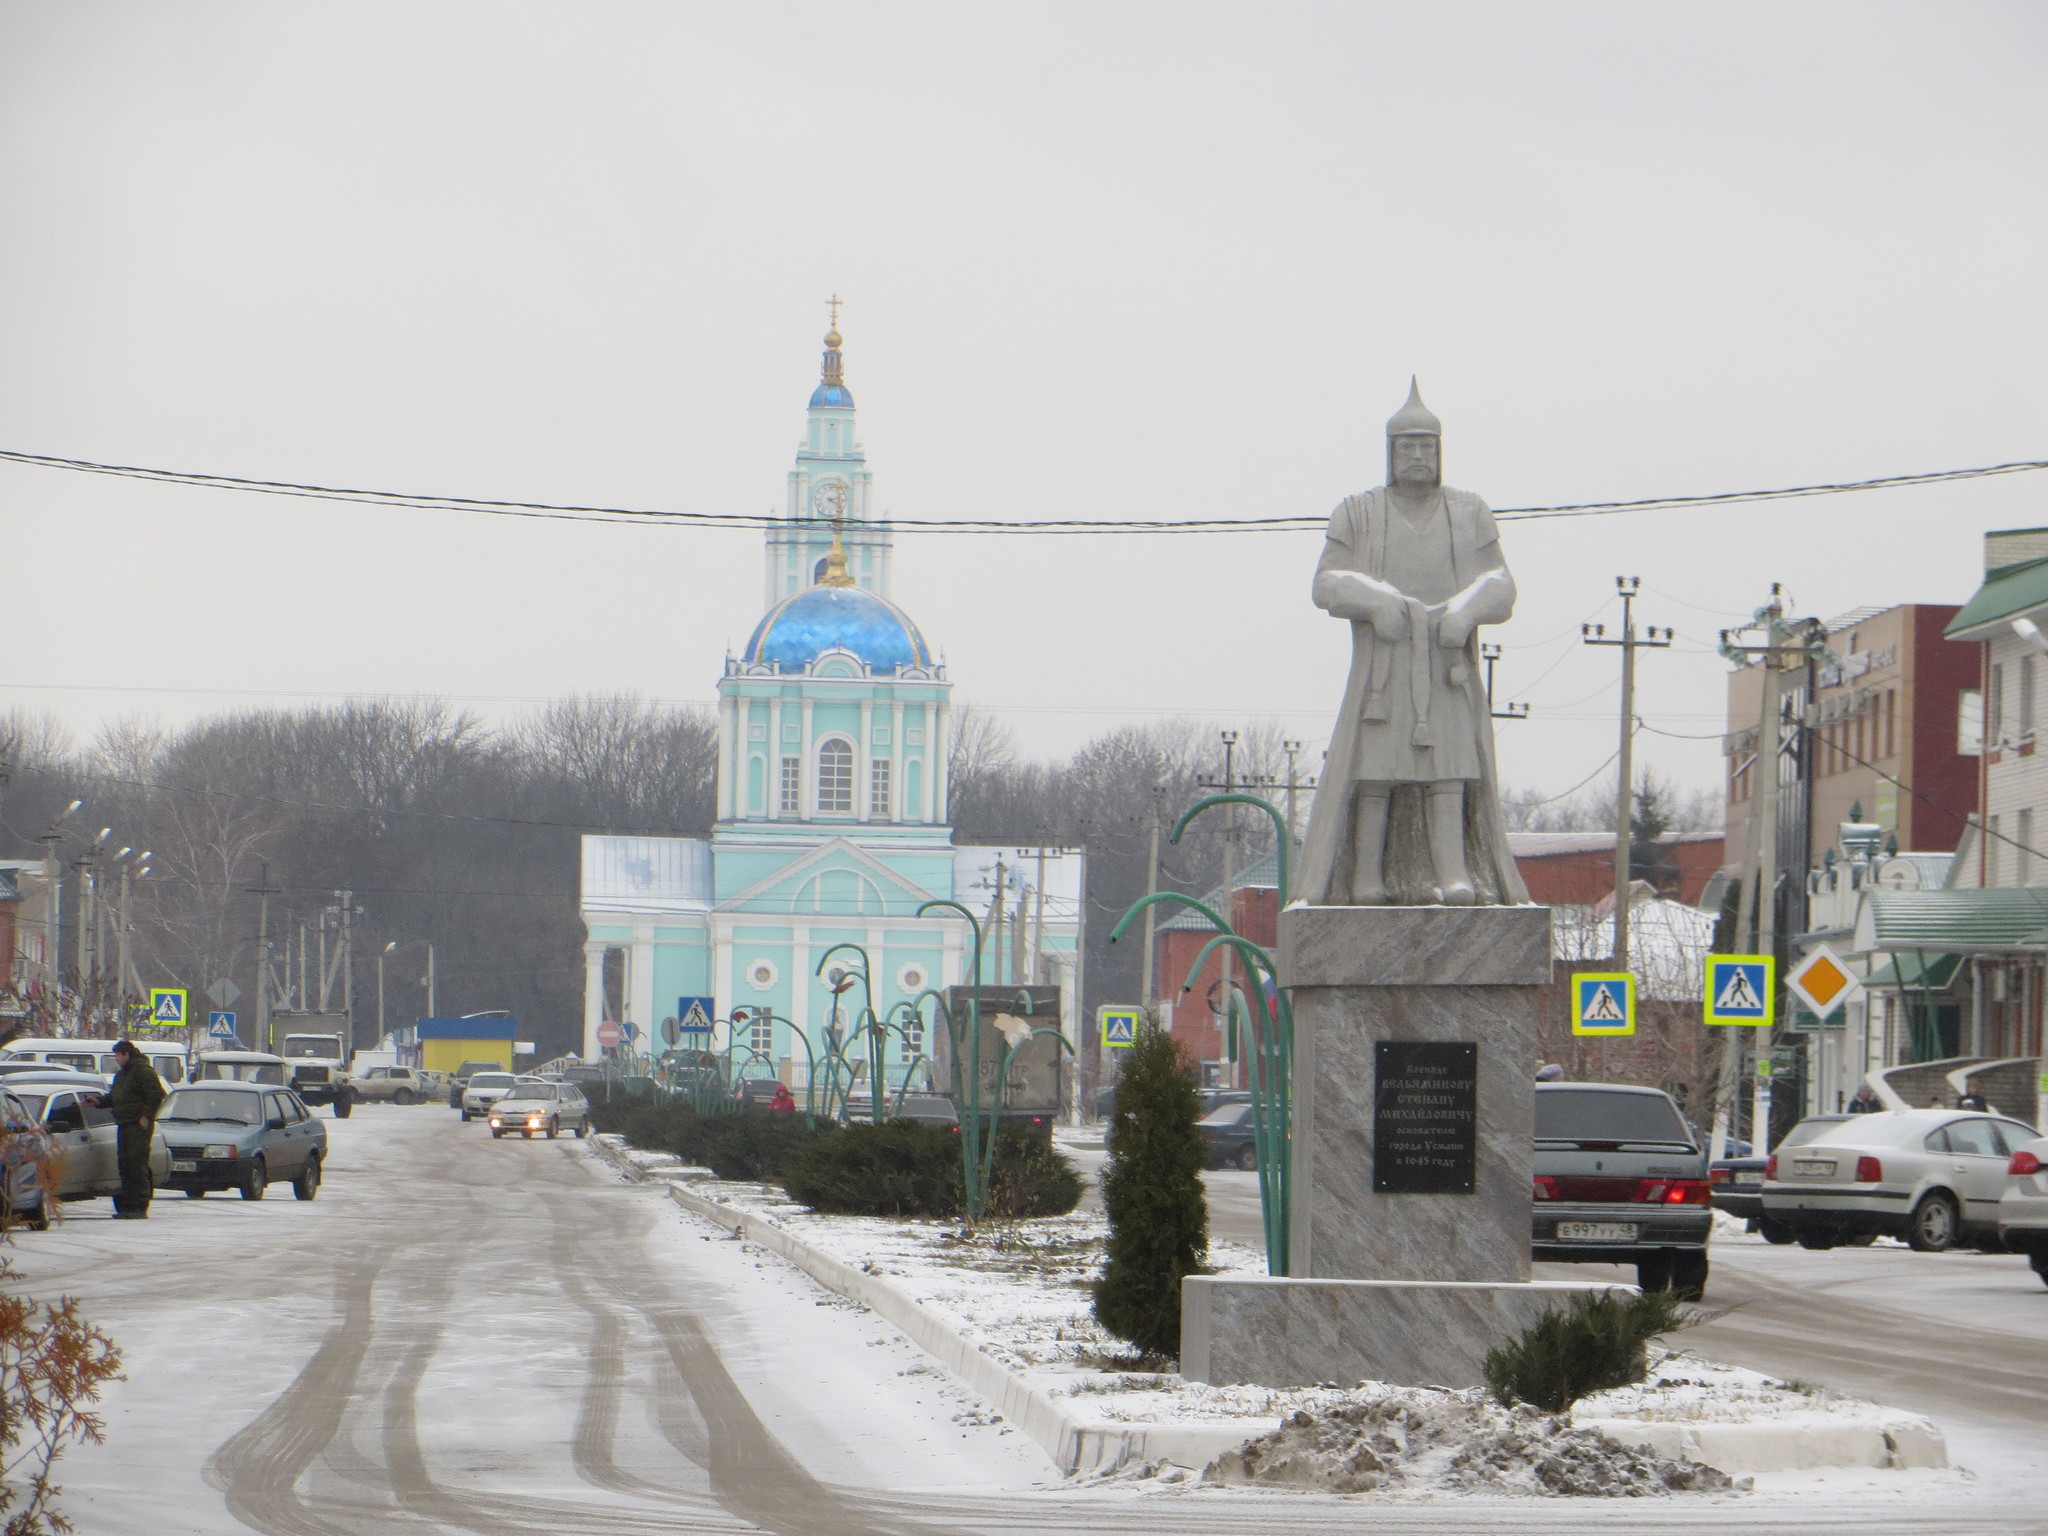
x: 462, y: 1335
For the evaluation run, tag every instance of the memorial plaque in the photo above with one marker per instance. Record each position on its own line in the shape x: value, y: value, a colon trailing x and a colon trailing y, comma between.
x: 1425, y: 1119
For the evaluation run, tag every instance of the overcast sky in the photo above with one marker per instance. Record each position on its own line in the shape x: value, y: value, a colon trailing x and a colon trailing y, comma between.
x: 1099, y: 260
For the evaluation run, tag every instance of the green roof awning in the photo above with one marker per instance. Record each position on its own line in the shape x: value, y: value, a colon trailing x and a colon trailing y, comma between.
x: 2008, y: 591
x: 1953, y: 922
x: 1929, y: 972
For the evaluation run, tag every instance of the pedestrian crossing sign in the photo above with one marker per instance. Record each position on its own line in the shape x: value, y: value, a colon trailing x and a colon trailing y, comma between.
x: 1740, y: 989
x: 167, y: 1007
x: 1120, y: 1027
x: 1604, y: 1005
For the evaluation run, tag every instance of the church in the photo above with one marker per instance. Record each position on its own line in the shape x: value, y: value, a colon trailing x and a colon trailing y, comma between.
x: 832, y: 814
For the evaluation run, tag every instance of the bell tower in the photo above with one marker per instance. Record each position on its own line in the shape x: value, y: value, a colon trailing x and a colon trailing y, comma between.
x: 829, y: 484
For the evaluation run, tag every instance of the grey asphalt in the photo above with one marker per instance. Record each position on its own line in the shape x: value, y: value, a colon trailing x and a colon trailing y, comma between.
x: 469, y: 1336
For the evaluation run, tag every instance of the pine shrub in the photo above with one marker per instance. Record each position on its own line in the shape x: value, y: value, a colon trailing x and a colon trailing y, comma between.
x: 1593, y: 1344
x: 1030, y: 1178
x: 742, y: 1144
x: 1152, y: 1194
x: 897, y: 1168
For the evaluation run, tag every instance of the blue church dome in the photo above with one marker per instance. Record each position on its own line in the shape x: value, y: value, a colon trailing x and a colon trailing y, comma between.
x: 800, y: 629
x: 832, y: 394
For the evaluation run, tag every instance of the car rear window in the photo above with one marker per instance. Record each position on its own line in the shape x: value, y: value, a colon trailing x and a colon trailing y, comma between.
x: 1598, y: 1114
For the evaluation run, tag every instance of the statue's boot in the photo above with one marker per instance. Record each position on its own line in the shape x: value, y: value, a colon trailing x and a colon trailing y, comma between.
x: 1369, y: 848
x: 1446, y: 814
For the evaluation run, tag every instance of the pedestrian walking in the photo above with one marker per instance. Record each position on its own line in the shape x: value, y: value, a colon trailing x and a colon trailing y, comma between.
x: 784, y: 1102
x: 1973, y: 1096
x: 135, y: 1097
x: 1866, y: 1102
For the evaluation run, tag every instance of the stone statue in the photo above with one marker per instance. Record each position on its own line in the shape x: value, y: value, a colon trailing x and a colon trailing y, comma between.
x: 1408, y: 812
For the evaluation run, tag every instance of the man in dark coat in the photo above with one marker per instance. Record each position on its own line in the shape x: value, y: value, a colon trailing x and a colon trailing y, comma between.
x: 136, y: 1095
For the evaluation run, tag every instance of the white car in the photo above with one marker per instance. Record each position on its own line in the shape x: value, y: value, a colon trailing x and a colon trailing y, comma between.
x: 548, y: 1109
x: 2023, y: 1208
x: 486, y: 1088
x: 1931, y: 1176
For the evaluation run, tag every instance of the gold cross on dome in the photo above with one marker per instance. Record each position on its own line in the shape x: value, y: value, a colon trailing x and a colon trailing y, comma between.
x: 833, y: 304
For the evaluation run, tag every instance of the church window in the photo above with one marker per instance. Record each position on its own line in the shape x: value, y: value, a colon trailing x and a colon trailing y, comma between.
x: 878, y: 786
x: 835, y: 778
x: 792, y: 786
x: 761, y: 1033
x: 912, y: 1026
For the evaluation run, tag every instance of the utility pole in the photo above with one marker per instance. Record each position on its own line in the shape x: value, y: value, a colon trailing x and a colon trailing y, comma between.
x: 1595, y: 634
x: 263, y: 890
x: 1295, y: 784
x: 1490, y: 654
x: 1230, y: 784
x: 381, y: 1031
x: 1759, y: 902
x: 996, y: 924
x: 53, y: 913
x: 345, y: 958
x: 432, y: 1012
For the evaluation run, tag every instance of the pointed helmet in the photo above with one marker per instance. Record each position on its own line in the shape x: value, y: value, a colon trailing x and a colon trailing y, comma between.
x: 1414, y: 417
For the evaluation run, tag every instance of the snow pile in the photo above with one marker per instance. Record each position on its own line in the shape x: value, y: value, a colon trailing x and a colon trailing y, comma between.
x: 1428, y: 1440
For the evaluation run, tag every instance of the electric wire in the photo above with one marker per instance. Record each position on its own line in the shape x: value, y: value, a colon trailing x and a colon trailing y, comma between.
x: 654, y: 517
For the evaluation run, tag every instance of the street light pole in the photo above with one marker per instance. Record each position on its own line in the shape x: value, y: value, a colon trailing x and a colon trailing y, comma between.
x: 381, y: 1031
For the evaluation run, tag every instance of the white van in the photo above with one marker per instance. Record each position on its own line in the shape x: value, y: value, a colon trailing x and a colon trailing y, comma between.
x: 82, y: 1055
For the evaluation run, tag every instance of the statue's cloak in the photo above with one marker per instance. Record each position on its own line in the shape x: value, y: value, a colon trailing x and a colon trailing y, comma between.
x: 1357, y: 541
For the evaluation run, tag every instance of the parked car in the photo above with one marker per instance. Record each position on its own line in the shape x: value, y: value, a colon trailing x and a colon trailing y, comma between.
x: 460, y: 1082
x: 226, y: 1134
x: 394, y: 1085
x: 241, y: 1067
x: 1931, y: 1176
x: 1621, y: 1179
x: 72, y: 1108
x: 1228, y: 1130
x: 2023, y: 1208
x: 22, y: 1199
x: 532, y: 1107
x: 81, y: 1055
x: 1736, y: 1182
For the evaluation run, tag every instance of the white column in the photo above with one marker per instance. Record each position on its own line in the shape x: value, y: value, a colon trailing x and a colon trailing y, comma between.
x: 936, y: 721
x: 896, y: 760
x: 863, y: 772
x: 773, y: 787
x: 806, y: 774
x: 593, y: 994
x: 640, y: 983
x: 720, y: 935
x: 800, y: 986
x: 728, y: 756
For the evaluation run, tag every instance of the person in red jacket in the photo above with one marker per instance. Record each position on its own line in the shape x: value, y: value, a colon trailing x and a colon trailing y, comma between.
x: 784, y: 1102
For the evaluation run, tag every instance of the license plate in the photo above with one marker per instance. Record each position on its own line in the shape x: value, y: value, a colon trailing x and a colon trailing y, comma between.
x: 1596, y: 1231
x: 1815, y: 1167
x: 184, y: 1166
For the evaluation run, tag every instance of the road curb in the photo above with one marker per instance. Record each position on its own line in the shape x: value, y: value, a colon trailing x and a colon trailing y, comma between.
x: 1081, y: 1446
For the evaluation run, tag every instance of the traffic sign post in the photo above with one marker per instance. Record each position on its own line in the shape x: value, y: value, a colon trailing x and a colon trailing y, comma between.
x: 1740, y: 989
x: 1822, y: 981
x: 167, y: 1008
x: 1604, y: 1004
x: 220, y: 1026
x: 1119, y: 1027
x: 609, y: 1035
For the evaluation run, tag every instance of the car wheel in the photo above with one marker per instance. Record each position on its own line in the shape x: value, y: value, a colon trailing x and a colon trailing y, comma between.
x: 1653, y: 1272
x: 1774, y: 1231
x: 582, y: 1129
x: 307, y: 1184
x: 344, y: 1106
x: 1818, y: 1241
x: 552, y: 1128
x: 1248, y: 1157
x: 497, y: 1133
x: 403, y: 1096
x: 255, y: 1181
x: 2038, y: 1263
x: 1689, y: 1275
x: 1932, y: 1226
x: 465, y: 1117
x: 1859, y: 1240
x: 526, y: 1133
x: 195, y: 1194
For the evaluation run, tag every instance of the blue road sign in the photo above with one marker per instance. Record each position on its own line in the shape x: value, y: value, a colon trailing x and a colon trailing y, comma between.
x: 1120, y: 1027
x: 1739, y: 990
x: 1604, y: 1005
x: 221, y: 1026
x: 693, y: 1014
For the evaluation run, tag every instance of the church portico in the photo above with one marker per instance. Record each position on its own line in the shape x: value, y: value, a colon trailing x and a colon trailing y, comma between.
x: 831, y: 813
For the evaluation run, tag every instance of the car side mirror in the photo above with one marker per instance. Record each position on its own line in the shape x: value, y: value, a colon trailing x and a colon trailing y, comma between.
x: 275, y: 1123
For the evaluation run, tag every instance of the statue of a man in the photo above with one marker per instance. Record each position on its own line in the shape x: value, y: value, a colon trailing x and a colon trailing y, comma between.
x: 1408, y: 812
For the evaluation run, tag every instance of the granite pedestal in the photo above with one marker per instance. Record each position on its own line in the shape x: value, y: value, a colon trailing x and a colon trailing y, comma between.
x: 1414, y: 1136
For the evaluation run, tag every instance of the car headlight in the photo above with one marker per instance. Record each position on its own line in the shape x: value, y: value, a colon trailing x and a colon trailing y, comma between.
x: 496, y: 1121
x: 219, y: 1149
x: 533, y: 1119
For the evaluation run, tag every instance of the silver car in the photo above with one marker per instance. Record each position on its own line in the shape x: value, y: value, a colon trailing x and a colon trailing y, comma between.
x: 541, y: 1108
x: 2023, y: 1208
x: 1931, y: 1176
x: 484, y: 1090
x: 72, y: 1108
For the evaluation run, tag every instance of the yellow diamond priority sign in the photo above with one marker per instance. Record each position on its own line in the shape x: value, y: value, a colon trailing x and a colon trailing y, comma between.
x: 1822, y: 981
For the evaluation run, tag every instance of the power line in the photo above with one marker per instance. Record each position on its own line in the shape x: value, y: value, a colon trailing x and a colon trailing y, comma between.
x: 654, y: 517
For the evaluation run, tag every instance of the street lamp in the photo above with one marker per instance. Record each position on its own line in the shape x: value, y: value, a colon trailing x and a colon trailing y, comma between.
x: 381, y: 1031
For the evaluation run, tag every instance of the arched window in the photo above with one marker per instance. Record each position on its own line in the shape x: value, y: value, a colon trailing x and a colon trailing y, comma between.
x: 835, y: 778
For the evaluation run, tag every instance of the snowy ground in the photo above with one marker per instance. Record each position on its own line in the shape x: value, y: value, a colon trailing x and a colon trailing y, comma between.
x: 1021, y: 1294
